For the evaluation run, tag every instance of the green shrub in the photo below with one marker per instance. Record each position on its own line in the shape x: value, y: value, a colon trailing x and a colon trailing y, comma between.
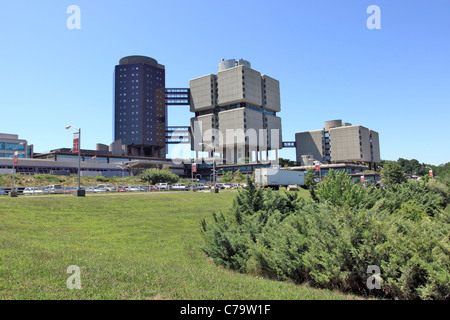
x: 338, y: 190
x: 154, y: 176
x: 48, y: 178
x: 440, y: 188
x: 102, y: 179
x: 331, y: 243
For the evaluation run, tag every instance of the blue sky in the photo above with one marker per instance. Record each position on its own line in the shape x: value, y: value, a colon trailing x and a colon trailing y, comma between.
x: 395, y: 80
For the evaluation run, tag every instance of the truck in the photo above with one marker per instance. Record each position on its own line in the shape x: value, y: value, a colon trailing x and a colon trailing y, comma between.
x: 276, y: 178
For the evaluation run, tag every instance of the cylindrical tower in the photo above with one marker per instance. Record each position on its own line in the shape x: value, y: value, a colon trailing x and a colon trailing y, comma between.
x: 139, y: 106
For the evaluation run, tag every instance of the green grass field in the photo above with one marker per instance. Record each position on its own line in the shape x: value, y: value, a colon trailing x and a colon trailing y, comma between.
x: 131, y: 246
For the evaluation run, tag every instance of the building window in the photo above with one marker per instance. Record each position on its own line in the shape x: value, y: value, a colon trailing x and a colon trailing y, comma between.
x: 11, y: 146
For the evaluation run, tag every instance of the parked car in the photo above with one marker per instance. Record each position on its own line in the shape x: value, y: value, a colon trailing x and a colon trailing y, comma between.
x: 69, y: 189
x: 227, y: 186
x: 235, y: 185
x: 164, y: 186
x: 107, y: 187
x: 90, y: 189
x: 220, y: 185
x: 180, y: 186
x: 152, y: 188
x: 95, y: 190
x: 122, y: 189
x: 201, y: 186
x: 3, y: 192
x: 143, y: 188
x: 132, y: 188
x: 53, y: 189
x: 32, y: 190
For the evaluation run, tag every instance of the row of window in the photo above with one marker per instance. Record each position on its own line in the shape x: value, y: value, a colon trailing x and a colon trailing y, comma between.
x: 11, y: 146
x: 132, y: 68
x: 11, y: 155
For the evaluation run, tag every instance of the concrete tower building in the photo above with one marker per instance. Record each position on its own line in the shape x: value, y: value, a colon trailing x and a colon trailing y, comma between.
x: 338, y: 143
x: 139, y: 106
x: 237, y: 109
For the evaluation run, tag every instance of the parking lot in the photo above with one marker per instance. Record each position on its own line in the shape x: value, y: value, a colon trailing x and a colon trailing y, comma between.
x: 110, y: 189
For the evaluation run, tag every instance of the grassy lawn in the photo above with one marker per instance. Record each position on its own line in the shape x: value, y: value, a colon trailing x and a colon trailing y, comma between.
x: 133, y: 246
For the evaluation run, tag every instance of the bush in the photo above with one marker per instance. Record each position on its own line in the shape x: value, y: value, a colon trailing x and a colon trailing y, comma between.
x: 392, y: 173
x: 102, y: 179
x: 440, y: 188
x: 338, y: 190
x: 154, y: 176
x: 332, y: 242
x: 48, y: 178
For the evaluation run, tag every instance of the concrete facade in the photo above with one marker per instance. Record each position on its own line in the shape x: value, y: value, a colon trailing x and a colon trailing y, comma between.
x: 310, y: 143
x: 239, y: 84
x: 237, y: 109
x: 338, y: 143
x: 203, y: 93
x: 271, y: 93
x: 375, y: 146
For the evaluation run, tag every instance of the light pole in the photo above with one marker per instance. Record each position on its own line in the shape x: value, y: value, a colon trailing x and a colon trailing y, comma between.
x: 14, y: 193
x: 192, y: 174
x: 214, y: 163
x: 79, y: 192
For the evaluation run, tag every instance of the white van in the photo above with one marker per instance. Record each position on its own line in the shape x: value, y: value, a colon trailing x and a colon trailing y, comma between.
x: 53, y: 189
x: 163, y: 186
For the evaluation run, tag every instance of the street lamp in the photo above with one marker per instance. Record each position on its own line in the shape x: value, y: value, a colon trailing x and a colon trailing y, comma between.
x: 192, y: 174
x: 79, y: 192
x: 214, y: 162
x: 14, y: 193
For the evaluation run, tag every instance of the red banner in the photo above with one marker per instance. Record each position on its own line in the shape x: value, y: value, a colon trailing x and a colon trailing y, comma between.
x: 317, y: 167
x: 76, y: 142
x: 16, y: 158
x: 194, y: 167
x: 362, y: 178
x: 431, y: 173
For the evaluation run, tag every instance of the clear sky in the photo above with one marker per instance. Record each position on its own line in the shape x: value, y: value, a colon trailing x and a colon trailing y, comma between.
x: 394, y: 80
